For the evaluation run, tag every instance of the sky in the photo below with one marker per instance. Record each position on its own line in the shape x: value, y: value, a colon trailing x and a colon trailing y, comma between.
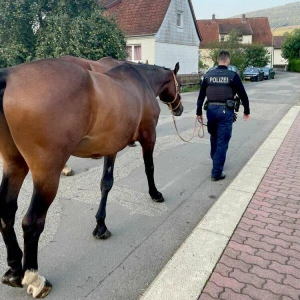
x: 225, y: 9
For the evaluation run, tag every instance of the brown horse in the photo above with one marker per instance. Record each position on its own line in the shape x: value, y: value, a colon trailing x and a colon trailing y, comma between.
x: 105, y: 112
x: 102, y: 65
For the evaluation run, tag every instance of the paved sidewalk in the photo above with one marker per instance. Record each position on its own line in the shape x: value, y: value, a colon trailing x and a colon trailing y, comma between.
x: 262, y: 258
x: 248, y: 245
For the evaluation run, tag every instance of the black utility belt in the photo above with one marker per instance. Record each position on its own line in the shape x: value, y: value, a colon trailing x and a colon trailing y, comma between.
x: 228, y: 103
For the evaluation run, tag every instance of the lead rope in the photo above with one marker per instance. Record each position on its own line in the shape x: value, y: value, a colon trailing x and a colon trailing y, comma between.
x: 195, y: 126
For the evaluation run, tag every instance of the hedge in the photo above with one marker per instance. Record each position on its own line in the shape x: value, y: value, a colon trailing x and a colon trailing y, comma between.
x: 294, y: 65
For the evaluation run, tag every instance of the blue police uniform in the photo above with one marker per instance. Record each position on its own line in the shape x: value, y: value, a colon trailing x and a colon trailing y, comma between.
x: 220, y: 85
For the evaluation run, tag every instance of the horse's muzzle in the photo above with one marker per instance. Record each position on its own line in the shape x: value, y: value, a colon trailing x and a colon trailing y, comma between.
x: 178, y: 111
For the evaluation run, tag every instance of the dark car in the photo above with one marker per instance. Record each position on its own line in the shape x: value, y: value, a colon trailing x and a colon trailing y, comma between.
x: 269, y: 73
x: 253, y: 74
x: 230, y: 67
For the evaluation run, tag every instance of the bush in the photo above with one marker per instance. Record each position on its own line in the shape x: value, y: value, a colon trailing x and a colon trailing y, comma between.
x: 294, y: 65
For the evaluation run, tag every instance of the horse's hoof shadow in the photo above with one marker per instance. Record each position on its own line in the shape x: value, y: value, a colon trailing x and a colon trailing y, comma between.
x: 12, y: 280
x: 158, y: 197
x: 99, y: 234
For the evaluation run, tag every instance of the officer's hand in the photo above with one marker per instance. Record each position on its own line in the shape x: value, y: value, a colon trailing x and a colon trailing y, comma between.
x: 246, y: 117
x: 200, y: 118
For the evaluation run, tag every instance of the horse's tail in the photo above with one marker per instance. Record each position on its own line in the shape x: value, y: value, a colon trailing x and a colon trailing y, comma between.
x: 3, y: 78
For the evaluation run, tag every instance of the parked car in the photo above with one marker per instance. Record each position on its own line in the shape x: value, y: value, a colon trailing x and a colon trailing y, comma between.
x: 253, y: 74
x: 269, y: 73
x: 230, y: 67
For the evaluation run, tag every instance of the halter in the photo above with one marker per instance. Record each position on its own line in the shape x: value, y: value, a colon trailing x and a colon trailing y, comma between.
x: 176, y: 95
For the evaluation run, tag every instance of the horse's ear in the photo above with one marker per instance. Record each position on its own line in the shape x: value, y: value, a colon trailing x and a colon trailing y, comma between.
x: 176, y: 68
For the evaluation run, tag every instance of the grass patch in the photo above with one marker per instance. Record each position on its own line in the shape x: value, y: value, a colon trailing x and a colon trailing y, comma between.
x: 187, y: 89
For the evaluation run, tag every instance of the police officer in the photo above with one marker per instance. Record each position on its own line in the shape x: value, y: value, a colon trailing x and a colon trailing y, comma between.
x: 220, y: 86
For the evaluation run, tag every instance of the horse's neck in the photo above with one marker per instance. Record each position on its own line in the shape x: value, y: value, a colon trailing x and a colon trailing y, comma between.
x: 158, y: 83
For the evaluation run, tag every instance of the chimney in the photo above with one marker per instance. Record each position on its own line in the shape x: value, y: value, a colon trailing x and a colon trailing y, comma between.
x: 243, y: 18
x: 213, y: 17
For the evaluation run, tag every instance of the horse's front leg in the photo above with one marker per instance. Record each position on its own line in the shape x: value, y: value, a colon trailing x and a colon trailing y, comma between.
x: 14, y: 173
x: 107, y: 181
x: 148, y: 143
x: 45, y: 189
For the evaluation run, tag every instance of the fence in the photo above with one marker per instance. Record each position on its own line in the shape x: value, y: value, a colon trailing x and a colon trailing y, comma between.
x: 188, y: 80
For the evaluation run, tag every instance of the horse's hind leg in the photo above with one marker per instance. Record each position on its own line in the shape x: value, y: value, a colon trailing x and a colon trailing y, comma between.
x: 45, y: 189
x: 148, y: 143
x: 14, y: 172
x: 101, y: 231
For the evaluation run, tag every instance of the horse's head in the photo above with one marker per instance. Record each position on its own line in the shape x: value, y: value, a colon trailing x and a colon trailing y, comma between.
x: 171, y: 96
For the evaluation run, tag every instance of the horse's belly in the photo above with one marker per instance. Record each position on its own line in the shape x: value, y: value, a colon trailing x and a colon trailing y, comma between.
x: 94, y: 147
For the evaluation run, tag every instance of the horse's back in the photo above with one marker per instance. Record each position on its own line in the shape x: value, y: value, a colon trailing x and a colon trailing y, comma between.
x: 46, y: 104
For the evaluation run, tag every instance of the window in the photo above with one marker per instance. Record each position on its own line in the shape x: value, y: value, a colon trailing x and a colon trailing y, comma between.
x: 134, y: 53
x: 222, y: 37
x: 179, y: 19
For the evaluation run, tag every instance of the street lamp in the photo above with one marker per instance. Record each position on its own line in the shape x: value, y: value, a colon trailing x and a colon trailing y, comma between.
x: 273, y: 42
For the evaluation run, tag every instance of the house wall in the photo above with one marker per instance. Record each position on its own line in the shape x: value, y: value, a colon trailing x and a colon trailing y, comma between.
x: 278, y: 59
x: 247, y: 39
x: 147, y: 44
x: 173, y: 43
x: 205, y: 58
x: 169, y: 54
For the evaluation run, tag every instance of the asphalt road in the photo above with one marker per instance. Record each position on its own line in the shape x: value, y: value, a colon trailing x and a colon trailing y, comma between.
x: 144, y: 234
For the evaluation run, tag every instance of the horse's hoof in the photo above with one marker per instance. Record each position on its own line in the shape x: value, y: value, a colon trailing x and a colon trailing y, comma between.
x: 68, y: 173
x: 12, y: 280
x: 45, y: 290
x: 101, y: 236
x: 158, y: 197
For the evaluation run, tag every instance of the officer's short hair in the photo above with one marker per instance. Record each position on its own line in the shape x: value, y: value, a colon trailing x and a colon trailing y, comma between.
x: 223, y: 55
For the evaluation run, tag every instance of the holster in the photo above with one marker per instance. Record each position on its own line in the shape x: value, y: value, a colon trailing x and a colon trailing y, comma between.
x: 237, y: 103
x: 205, y: 105
x: 230, y: 104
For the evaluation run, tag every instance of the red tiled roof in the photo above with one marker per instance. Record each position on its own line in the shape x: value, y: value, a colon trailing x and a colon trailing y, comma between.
x: 278, y: 41
x: 140, y: 17
x: 260, y: 27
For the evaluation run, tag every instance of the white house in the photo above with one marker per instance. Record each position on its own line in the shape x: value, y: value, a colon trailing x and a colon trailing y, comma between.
x: 278, y: 60
x: 160, y: 32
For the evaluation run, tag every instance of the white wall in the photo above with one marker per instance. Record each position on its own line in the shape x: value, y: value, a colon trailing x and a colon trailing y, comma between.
x: 247, y: 39
x: 278, y: 59
x: 167, y: 55
x: 148, y: 47
x: 174, y: 44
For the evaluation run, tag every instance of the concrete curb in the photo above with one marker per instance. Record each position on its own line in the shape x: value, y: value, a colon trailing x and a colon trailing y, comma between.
x: 186, y: 273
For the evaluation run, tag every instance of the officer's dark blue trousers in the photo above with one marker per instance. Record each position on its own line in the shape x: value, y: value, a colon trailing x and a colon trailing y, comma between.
x: 219, y: 125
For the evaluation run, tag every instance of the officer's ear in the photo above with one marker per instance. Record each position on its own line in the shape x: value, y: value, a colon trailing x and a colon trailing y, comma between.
x: 176, y: 68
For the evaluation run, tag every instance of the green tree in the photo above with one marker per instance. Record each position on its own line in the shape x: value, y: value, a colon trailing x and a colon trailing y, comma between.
x: 231, y: 44
x: 256, y: 55
x: 42, y: 28
x: 291, y: 46
x: 242, y: 55
x: 17, y: 40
